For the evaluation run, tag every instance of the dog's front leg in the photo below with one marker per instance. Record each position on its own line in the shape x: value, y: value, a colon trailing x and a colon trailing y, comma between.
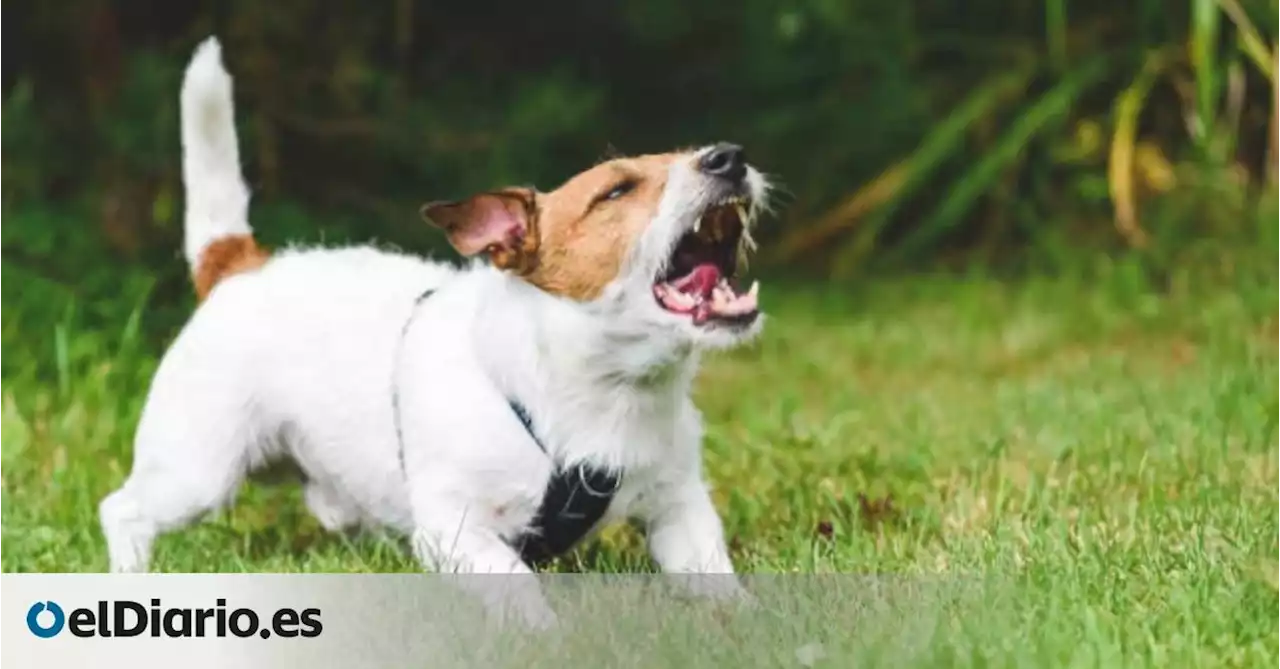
x: 686, y: 539
x: 453, y: 460
x: 482, y: 564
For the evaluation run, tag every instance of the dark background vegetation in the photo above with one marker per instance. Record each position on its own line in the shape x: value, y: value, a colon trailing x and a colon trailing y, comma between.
x: 995, y: 136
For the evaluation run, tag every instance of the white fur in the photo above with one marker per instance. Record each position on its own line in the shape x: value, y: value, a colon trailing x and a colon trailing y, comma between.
x: 300, y: 358
x: 217, y: 199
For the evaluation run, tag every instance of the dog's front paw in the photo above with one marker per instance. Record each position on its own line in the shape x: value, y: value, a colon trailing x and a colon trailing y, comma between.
x: 737, y: 597
x: 541, y: 619
x: 745, y: 600
x: 724, y: 588
x: 526, y: 613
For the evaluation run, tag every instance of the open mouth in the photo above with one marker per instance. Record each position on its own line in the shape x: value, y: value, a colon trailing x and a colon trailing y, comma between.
x: 701, y: 280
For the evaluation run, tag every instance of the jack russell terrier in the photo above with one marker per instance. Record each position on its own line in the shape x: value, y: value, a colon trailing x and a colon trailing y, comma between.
x: 494, y: 414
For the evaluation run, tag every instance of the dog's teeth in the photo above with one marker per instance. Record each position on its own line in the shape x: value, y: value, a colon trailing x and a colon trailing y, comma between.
x: 719, y: 298
x: 755, y: 289
x: 742, y: 213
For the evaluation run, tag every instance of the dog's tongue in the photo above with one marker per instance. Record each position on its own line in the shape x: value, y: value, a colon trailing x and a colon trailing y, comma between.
x: 704, y: 294
x: 701, y: 281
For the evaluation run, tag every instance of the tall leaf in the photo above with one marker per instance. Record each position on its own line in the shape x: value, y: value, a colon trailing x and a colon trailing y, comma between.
x: 1054, y: 104
x: 1120, y: 163
x: 938, y: 145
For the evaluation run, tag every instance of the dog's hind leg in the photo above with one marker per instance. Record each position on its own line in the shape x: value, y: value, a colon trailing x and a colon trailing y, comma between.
x: 193, y: 447
x: 334, y: 511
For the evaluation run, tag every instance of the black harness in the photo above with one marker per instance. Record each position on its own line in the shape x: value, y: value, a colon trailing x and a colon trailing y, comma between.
x: 574, y: 501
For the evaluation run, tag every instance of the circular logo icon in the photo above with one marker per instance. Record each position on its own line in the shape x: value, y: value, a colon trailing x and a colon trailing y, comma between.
x: 54, y: 626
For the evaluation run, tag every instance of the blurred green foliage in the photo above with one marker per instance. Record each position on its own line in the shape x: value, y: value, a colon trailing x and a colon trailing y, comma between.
x: 905, y: 135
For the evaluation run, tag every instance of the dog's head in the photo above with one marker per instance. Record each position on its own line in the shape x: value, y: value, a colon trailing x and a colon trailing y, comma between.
x: 655, y: 242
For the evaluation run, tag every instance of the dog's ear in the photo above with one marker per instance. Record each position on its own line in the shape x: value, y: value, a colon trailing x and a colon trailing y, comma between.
x: 502, y: 223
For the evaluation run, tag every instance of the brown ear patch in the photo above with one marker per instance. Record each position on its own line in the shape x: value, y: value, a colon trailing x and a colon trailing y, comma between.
x: 224, y: 257
x: 502, y: 223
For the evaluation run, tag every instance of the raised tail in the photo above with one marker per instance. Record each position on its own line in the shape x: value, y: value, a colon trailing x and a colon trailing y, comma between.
x: 218, y: 240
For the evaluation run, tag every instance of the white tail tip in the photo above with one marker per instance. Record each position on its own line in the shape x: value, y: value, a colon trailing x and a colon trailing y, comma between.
x: 216, y: 196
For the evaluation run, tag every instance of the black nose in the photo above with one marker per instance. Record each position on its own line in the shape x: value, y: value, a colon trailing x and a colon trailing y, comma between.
x: 726, y: 161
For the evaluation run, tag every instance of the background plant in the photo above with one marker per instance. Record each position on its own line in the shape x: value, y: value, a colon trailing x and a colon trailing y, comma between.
x: 993, y: 135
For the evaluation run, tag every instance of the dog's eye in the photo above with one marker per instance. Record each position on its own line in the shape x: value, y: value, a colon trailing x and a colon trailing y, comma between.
x: 619, y: 190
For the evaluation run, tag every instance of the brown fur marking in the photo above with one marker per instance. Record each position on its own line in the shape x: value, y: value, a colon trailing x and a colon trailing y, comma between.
x: 584, y: 244
x: 224, y: 257
x: 571, y: 241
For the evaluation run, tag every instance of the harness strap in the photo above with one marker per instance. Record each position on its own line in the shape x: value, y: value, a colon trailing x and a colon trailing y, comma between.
x: 576, y: 497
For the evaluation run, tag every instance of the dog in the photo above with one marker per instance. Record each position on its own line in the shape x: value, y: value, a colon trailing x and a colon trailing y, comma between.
x: 495, y: 413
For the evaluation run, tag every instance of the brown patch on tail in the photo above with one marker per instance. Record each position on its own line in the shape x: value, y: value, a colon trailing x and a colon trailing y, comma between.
x: 224, y: 257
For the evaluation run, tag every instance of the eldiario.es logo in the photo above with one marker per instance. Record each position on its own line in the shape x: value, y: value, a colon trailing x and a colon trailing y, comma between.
x: 125, y: 618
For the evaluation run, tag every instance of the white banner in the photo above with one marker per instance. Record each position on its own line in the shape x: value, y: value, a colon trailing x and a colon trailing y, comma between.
x: 348, y: 621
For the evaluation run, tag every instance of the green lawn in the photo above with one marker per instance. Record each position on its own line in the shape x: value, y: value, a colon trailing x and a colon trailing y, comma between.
x: 1110, y: 455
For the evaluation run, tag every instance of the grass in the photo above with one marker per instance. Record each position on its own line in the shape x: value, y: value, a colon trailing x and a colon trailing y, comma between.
x: 1108, y: 452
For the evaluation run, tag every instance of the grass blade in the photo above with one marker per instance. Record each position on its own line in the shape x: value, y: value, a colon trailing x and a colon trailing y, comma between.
x: 1251, y: 42
x: 62, y: 358
x: 1273, y: 139
x: 1056, y: 33
x: 874, y: 194
x: 1205, y: 19
x: 1120, y: 164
